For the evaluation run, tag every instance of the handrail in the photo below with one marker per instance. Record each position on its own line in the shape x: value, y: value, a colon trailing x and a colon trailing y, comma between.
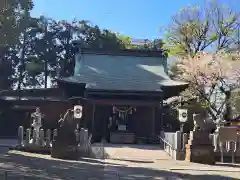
x: 169, y: 145
x: 166, y: 142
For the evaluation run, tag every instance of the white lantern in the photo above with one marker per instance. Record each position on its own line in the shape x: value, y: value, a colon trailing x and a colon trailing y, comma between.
x: 78, y: 111
x: 182, y: 115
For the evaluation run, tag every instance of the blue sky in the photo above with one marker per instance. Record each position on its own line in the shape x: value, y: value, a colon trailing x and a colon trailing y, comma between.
x: 136, y: 18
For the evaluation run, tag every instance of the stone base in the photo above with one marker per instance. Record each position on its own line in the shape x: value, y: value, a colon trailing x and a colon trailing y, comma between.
x: 122, y: 138
x: 33, y: 149
x: 203, y: 154
x: 200, y: 149
x: 69, y: 152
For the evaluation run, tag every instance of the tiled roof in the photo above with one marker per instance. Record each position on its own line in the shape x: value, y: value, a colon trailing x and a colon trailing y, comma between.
x: 111, y: 72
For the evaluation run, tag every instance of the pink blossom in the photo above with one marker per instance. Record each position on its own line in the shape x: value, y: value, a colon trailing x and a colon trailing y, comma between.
x: 209, y: 68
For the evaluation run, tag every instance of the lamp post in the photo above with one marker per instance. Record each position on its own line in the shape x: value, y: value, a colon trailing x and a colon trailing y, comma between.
x: 182, y: 117
x: 78, y: 109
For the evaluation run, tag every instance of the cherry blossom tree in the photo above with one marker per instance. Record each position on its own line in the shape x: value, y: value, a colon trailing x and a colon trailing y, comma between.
x: 212, y: 77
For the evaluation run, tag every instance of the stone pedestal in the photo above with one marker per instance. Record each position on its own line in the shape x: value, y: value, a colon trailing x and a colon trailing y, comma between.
x: 65, y: 145
x: 199, y: 148
x: 61, y: 151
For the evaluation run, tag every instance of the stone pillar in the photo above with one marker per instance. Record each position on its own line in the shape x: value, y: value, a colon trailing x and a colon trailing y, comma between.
x: 77, y: 135
x: 81, y: 137
x: 216, y: 142
x: 41, y: 138
x: 178, y: 153
x: 20, y: 136
x: 34, y: 138
x: 178, y: 140
x: 55, y: 132
x: 48, y: 138
x: 85, y: 140
x: 28, y: 136
x: 185, y: 140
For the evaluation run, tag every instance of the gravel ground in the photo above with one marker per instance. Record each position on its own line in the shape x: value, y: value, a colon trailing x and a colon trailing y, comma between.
x: 127, y: 164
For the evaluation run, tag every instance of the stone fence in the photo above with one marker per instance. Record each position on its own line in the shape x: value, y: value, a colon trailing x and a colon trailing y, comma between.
x: 174, y: 145
x: 30, y: 140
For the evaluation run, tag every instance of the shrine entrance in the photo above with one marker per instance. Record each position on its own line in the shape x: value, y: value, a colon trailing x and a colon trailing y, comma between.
x: 121, y: 126
x: 124, y: 123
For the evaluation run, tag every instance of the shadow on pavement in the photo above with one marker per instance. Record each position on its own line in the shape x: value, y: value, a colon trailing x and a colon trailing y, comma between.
x: 25, y: 167
x: 131, y: 160
x: 135, y: 146
x: 229, y: 165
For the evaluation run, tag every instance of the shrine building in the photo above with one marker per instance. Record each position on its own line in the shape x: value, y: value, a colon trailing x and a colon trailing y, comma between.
x: 121, y: 93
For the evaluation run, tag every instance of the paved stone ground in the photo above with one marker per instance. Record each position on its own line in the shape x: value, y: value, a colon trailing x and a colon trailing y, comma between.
x: 127, y: 163
x: 8, y: 142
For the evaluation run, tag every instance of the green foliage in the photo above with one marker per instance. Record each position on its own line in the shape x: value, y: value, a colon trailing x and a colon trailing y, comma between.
x: 35, y: 51
x: 34, y: 66
x: 12, y: 15
x: 195, y: 29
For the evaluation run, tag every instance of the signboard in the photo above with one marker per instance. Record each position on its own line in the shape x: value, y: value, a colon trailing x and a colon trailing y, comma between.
x: 122, y: 127
x: 227, y: 134
x: 182, y: 115
x: 78, y: 111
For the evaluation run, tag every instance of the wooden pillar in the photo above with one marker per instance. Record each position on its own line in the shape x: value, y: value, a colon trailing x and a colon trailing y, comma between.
x: 93, y: 117
x: 153, y: 121
x: 161, y: 115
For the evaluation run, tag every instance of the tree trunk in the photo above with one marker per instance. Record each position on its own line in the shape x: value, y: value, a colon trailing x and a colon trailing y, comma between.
x: 22, y: 63
x: 45, y: 74
x: 228, y: 111
x: 5, y: 70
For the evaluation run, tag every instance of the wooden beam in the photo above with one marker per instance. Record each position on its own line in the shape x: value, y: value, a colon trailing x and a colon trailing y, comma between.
x: 120, y: 92
x: 126, y: 102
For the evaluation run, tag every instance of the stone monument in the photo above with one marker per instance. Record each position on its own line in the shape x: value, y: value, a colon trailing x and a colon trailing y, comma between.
x: 199, y: 148
x: 37, y: 124
x: 65, y: 144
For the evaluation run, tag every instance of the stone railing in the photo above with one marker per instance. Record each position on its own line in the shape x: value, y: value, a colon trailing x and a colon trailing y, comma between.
x: 174, y: 145
x: 229, y: 149
x: 28, y: 140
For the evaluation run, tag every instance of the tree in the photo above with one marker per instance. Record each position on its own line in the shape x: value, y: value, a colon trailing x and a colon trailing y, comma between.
x: 67, y: 34
x: 24, y: 47
x: 195, y: 29
x: 126, y: 41
x: 12, y: 13
x: 46, y: 46
x: 35, y: 51
x: 212, y: 77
